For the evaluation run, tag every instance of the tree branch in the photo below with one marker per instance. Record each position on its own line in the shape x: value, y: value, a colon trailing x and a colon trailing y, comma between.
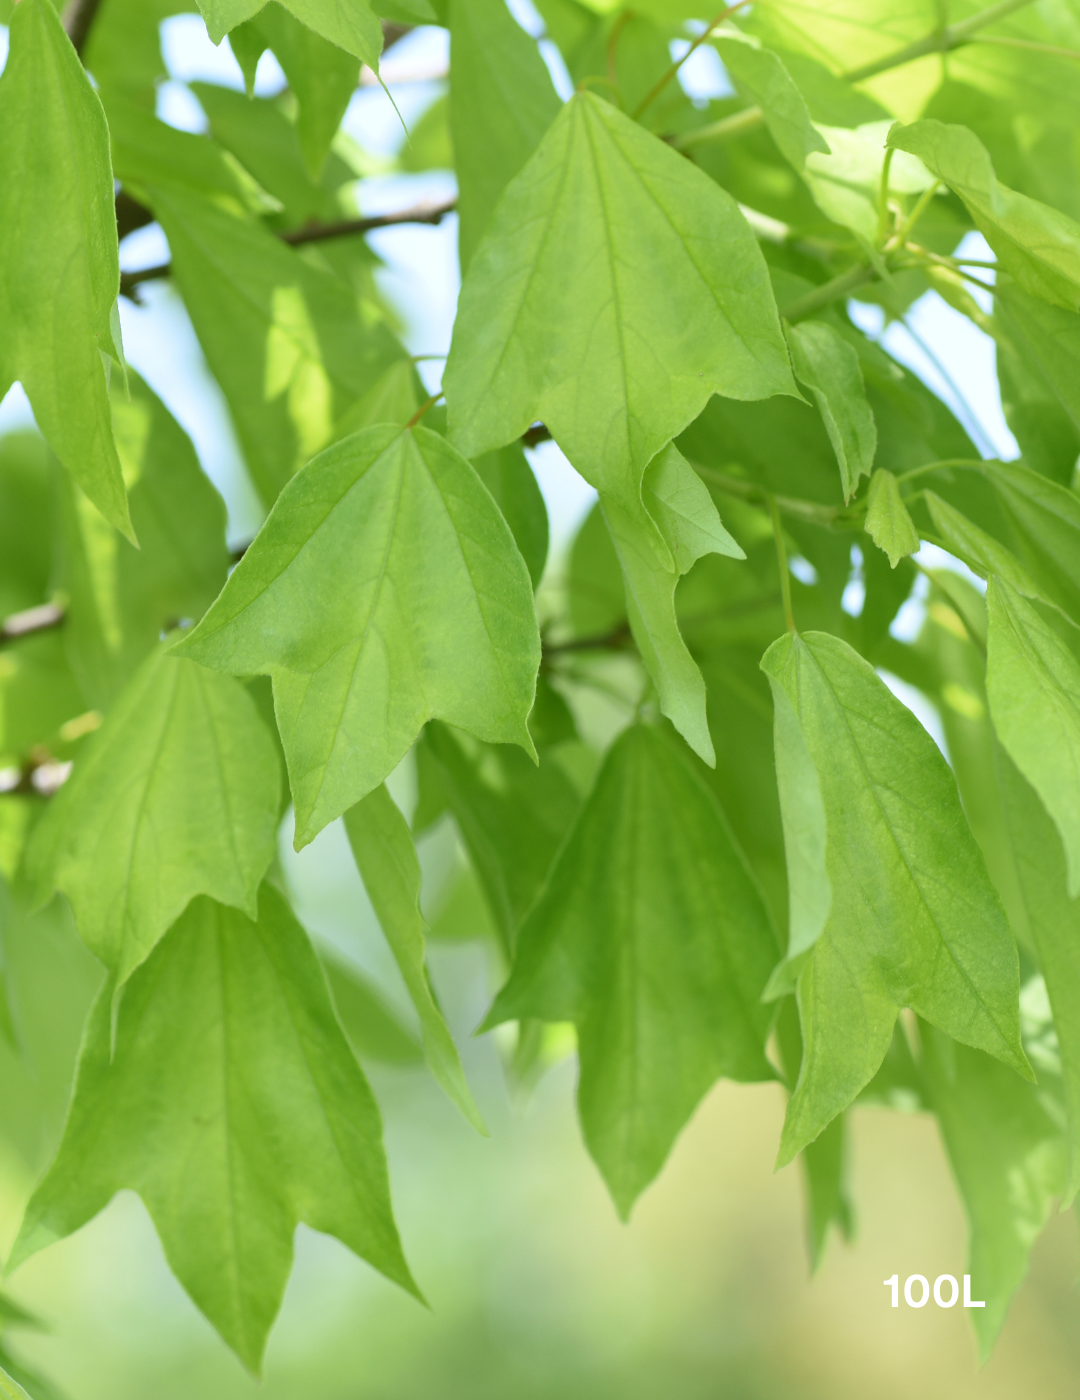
x: 43, y: 618
x: 314, y: 233
x: 78, y: 17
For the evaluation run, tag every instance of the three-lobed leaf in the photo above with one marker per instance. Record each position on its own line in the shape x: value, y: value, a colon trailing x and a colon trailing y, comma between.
x: 229, y: 1099
x: 653, y: 937
x: 384, y: 590
x: 914, y: 920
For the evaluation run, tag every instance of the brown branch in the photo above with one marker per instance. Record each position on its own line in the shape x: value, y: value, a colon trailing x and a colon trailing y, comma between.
x: 615, y: 640
x: 314, y: 233
x: 43, y: 618
x: 78, y: 17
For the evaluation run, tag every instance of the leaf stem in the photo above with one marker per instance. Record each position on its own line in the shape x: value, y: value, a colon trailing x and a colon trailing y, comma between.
x: 829, y: 292
x: 733, y: 125
x: 963, y: 463
x: 921, y: 205
x: 781, y: 559
x: 430, y: 403
x: 883, y: 197
x: 662, y: 82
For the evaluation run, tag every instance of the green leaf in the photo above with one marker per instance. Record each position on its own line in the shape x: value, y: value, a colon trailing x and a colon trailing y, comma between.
x: 61, y: 273
x: 121, y: 600
x: 616, y: 290
x: 652, y: 936
x: 9, y: 1389
x: 1046, y: 336
x: 501, y: 103
x: 1008, y: 1159
x: 321, y: 75
x: 914, y: 919
x: 656, y: 544
x: 1038, y: 245
x: 384, y: 590
x: 176, y: 795
x: 829, y: 368
x: 233, y: 1105
x: 597, y: 604
x: 507, y: 475
x: 353, y: 27
x: 977, y: 548
x: 846, y: 182
x: 374, y: 1030
x: 887, y: 521
x: 25, y: 523
x: 284, y: 339
x: 1033, y: 683
x: 761, y: 77
x: 513, y: 816
x: 1052, y: 922
x: 1045, y: 519
x: 386, y: 858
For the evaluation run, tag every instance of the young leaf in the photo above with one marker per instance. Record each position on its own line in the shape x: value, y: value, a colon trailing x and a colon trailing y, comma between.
x: 507, y: 475
x: 513, y: 816
x: 846, y: 182
x: 11, y: 1389
x: 233, y: 1105
x: 914, y: 920
x: 283, y: 338
x: 386, y: 858
x: 616, y: 290
x: 1008, y: 1159
x: 384, y: 590
x: 652, y: 936
x: 1033, y: 684
x: 656, y: 544
x: 353, y: 27
x: 1037, y: 244
x: 761, y: 76
x: 887, y: 521
x: 60, y: 274
x: 176, y: 795
x: 829, y: 368
x: 501, y: 103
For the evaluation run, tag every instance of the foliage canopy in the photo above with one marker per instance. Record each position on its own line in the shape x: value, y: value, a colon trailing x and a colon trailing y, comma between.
x: 708, y: 834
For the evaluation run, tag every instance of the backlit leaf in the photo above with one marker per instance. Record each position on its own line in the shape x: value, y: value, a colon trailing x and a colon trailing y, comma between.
x: 914, y: 920
x: 616, y: 290
x: 887, y: 520
x: 652, y: 936
x: 233, y: 1105
x: 176, y: 795
x: 384, y: 590
x: 761, y: 76
x: 1033, y: 682
x: 352, y: 26
x: 59, y: 274
x: 829, y: 368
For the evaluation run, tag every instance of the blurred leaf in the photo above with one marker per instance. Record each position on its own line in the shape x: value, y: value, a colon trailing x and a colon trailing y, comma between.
x: 374, y: 1029
x: 651, y: 935
x: 829, y: 368
x: 603, y: 323
x: 121, y: 600
x: 382, y: 847
x: 25, y: 522
x: 501, y: 103
x: 597, y: 603
x: 1008, y: 1158
x: 1033, y: 681
x: 914, y: 919
x: 176, y: 795
x: 513, y: 816
x: 507, y: 475
x: 429, y: 146
x: 61, y: 266
x: 424, y: 610
x: 887, y: 521
x: 233, y: 1105
x: 1045, y: 519
x: 354, y: 28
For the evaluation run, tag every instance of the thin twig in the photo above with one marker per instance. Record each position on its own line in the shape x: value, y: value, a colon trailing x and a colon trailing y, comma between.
x: 661, y: 83
x: 43, y: 618
x: 838, y: 288
x: 781, y: 559
x: 315, y: 233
